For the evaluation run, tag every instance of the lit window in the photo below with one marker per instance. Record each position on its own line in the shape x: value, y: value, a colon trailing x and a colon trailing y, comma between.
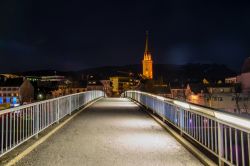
x: 7, y: 100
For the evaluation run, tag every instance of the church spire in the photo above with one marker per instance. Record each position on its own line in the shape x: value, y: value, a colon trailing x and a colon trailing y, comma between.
x: 146, y: 47
x: 147, y: 63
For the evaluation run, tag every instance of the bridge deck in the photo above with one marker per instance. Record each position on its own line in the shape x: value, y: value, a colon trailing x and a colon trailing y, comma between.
x: 111, y: 132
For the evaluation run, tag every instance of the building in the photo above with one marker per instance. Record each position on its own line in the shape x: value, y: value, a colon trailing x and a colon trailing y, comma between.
x: 52, y: 78
x: 122, y: 83
x: 162, y: 90
x: 178, y: 91
x: 231, y: 80
x: 10, y: 75
x: 107, y: 87
x: 244, y: 78
x: 147, y: 62
x: 218, y: 96
x: 195, y: 93
x: 228, y: 101
x: 16, y: 91
x: 94, y: 83
x: 75, y: 87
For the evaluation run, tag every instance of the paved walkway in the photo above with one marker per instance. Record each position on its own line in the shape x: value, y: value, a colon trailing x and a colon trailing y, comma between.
x: 113, y: 131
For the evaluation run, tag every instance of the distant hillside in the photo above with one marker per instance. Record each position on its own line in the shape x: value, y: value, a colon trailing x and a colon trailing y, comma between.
x: 169, y: 72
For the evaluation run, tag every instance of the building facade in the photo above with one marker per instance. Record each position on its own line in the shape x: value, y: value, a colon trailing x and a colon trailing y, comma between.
x: 16, y: 91
x: 121, y: 84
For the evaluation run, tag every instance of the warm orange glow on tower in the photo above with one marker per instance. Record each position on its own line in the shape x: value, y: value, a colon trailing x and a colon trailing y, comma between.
x: 147, y: 63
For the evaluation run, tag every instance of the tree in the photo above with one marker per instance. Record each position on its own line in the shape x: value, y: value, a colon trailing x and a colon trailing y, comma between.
x: 245, y: 107
x: 237, y: 92
x: 209, y: 97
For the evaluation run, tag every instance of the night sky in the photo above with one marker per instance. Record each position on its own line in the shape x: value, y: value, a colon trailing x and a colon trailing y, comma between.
x: 73, y: 35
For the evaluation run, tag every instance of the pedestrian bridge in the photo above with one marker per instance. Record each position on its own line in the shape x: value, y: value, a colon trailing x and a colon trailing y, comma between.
x: 138, y: 129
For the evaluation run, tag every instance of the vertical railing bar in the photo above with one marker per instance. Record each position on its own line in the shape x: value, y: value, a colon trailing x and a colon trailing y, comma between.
x: 33, y: 120
x: 186, y: 127
x: 202, y: 130
x: 26, y: 123
x: 42, y: 116
x: 199, y: 119
x: 58, y: 110
x: 2, y: 134
x: 192, y: 124
x: 6, y: 132
x: 46, y: 114
x: 196, y: 127
x: 212, y: 135
x: 205, y: 130
x: 18, y: 125
x: 14, y: 129
x: 248, y: 143
x: 37, y: 114
x: 242, y: 149
x: 69, y: 99
x: 208, y: 133
x: 10, y: 143
x: 236, y: 147
x: 225, y: 141
x: 216, y: 138
x: 29, y: 119
x: 231, y: 145
x: 23, y: 129
x: 220, y: 143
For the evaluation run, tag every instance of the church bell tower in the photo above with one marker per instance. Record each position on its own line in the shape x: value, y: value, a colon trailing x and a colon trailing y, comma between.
x: 147, y: 63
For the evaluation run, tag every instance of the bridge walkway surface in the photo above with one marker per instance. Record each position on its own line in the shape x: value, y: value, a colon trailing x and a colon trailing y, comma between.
x: 112, y: 131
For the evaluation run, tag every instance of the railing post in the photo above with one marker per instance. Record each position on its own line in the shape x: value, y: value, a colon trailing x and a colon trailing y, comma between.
x: 220, y: 143
x: 78, y: 101
x: 163, y: 111
x: 181, y: 120
x: 153, y: 105
x: 70, y: 106
x: 37, y: 120
x: 58, y: 111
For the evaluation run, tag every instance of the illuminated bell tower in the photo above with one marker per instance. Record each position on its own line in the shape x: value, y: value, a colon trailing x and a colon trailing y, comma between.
x: 147, y: 63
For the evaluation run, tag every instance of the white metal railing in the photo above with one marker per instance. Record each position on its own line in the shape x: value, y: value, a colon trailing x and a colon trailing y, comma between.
x: 224, y: 135
x: 19, y: 124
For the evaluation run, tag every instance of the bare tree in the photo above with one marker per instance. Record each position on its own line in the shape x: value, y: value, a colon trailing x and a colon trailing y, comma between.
x: 237, y: 92
x: 245, y: 107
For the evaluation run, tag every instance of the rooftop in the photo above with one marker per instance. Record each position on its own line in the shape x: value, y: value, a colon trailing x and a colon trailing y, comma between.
x: 11, y: 82
x: 246, y: 66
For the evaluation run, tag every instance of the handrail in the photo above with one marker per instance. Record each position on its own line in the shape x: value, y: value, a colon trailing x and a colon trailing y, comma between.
x: 19, y: 124
x: 227, y: 117
x: 223, y: 134
x: 35, y: 103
